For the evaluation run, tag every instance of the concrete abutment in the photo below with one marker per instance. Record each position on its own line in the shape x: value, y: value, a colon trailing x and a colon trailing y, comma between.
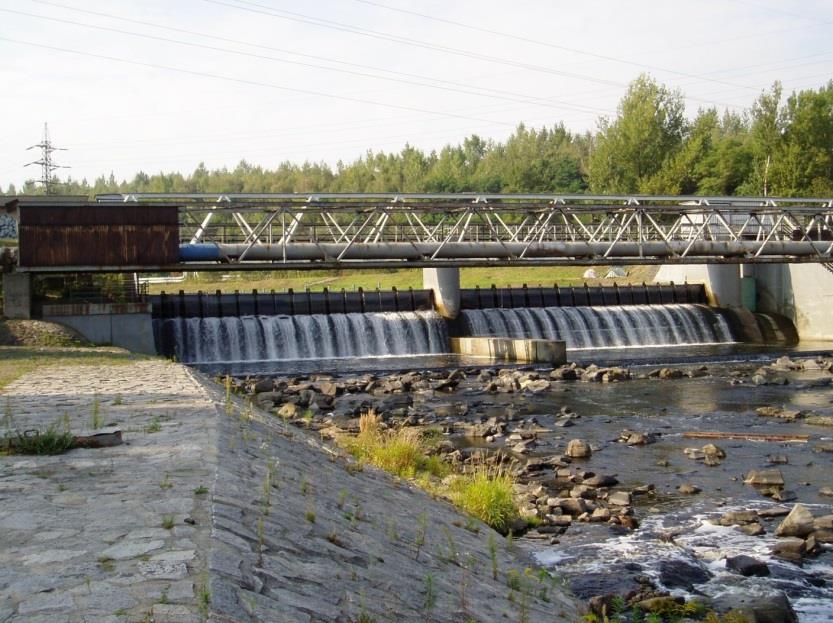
x: 803, y: 293
x: 17, y: 295
x: 445, y: 284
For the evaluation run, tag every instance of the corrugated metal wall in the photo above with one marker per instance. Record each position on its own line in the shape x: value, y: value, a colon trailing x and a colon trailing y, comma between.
x: 98, y: 235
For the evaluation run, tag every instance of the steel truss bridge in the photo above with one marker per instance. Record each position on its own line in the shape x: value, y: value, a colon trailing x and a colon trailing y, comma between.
x: 275, y: 231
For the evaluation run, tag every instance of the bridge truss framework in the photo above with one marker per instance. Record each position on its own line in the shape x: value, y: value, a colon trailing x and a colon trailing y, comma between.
x: 273, y: 231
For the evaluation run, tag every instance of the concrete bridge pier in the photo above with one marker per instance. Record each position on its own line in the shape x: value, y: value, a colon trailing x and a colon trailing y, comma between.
x: 445, y: 284
x: 17, y: 295
x: 722, y: 281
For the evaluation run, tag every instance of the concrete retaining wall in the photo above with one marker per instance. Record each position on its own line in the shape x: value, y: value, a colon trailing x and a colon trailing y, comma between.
x: 509, y: 349
x: 127, y: 325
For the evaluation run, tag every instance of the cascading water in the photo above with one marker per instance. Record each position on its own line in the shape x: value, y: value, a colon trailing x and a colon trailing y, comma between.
x: 604, y: 327
x: 275, y: 338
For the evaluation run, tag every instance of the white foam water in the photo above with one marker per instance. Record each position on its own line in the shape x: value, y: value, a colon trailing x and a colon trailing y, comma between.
x: 604, y: 327
x: 701, y: 543
x: 318, y: 336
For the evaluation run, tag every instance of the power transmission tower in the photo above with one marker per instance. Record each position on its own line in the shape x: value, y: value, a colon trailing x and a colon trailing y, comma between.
x: 46, y: 164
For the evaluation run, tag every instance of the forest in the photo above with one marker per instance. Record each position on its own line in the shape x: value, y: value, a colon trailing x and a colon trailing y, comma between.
x: 782, y: 145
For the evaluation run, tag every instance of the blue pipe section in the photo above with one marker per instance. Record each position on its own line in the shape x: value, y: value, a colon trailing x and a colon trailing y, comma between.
x: 199, y: 252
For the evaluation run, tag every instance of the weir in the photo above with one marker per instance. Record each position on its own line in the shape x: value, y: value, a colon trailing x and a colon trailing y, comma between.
x: 205, y: 328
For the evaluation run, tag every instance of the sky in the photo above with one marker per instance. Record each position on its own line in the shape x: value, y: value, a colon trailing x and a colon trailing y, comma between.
x: 162, y: 85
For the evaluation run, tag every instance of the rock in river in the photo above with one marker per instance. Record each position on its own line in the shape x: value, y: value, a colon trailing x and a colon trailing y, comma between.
x: 747, y: 566
x: 798, y: 523
x: 578, y: 449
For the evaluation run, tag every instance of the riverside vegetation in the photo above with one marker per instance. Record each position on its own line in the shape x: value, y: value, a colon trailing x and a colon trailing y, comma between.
x: 779, y: 146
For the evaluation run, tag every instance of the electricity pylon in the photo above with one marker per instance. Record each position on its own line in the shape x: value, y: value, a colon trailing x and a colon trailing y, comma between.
x: 45, y: 162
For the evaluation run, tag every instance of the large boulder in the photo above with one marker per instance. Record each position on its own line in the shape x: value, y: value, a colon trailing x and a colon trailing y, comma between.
x: 747, y: 566
x: 772, y: 608
x: 800, y: 523
x: 682, y: 574
x: 765, y: 478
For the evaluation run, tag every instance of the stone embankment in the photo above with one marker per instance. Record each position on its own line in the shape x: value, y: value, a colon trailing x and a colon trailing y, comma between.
x: 214, y: 510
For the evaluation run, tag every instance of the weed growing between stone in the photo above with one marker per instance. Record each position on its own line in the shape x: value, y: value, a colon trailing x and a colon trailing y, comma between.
x: 401, y: 452
x: 430, y: 593
x: 486, y: 493
x: 493, y: 555
x: 95, y: 416
x: 50, y: 441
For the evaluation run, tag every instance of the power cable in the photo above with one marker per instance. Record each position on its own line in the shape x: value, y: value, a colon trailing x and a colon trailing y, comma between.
x: 204, y: 74
x: 306, y: 19
x: 545, y: 101
x: 552, y: 45
x: 338, y: 26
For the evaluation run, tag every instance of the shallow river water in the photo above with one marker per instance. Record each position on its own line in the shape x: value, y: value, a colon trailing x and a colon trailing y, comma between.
x: 588, y: 553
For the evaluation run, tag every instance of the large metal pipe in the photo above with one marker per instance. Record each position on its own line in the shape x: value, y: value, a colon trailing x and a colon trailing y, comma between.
x: 310, y: 251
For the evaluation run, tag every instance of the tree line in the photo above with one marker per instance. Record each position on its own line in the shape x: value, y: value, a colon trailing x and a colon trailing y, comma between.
x: 781, y: 145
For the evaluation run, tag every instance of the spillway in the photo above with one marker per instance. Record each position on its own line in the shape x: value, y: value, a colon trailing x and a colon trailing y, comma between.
x: 603, y: 327
x: 314, y: 336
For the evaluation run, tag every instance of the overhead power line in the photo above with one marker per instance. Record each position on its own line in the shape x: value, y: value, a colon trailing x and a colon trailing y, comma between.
x: 336, y: 61
x: 254, y: 7
x: 468, y: 90
x: 46, y: 163
x: 555, y: 46
x: 258, y: 83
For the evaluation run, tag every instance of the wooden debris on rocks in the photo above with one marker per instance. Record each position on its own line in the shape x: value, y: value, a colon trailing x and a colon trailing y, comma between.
x: 744, y: 436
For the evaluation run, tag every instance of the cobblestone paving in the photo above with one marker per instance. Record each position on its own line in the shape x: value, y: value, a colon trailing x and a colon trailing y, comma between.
x: 212, y: 510
x: 111, y: 534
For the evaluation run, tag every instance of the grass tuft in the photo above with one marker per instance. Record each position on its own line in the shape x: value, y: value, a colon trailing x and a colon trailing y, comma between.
x: 486, y: 493
x: 48, y: 442
x: 401, y: 452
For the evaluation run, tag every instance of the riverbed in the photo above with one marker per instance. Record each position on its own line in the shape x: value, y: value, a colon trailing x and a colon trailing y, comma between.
x: 673, y: 546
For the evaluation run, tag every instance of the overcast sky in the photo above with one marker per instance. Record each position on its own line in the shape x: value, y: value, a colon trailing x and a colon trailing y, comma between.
x: 160, y: 85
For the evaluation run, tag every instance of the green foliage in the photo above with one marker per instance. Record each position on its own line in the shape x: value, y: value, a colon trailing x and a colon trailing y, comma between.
x: 779, y: 146
x: 487, y: 494
x: 430, y: 593
x: 647, y: 131
x: 95, y: 417
x: 401, y: 452
x: 49, y: 441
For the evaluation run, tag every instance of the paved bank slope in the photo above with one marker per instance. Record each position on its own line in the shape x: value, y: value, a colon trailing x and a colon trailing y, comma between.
x: 288, y: 530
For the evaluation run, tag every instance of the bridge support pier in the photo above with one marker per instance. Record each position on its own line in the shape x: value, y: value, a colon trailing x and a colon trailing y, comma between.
x: 445, y: 284
x: 17, y: 296
x: 722, y: 281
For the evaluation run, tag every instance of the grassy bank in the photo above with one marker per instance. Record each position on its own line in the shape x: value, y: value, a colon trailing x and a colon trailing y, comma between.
x: 386, y: 279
